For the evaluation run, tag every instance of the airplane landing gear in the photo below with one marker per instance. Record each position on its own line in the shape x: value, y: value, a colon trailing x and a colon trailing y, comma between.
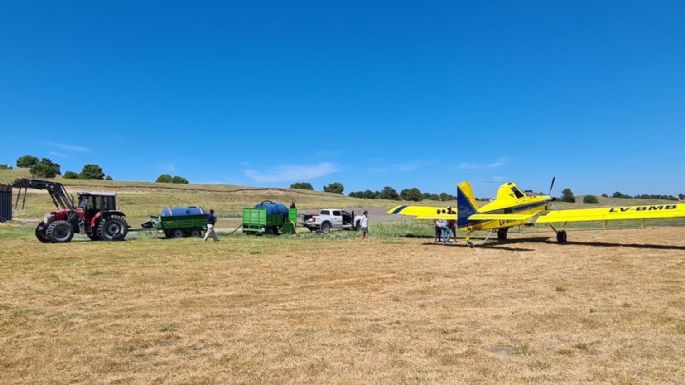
x: 561, y: 236
x: 502, y: 234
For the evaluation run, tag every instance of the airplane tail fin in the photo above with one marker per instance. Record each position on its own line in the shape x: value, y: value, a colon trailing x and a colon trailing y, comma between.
x: 466, y: 203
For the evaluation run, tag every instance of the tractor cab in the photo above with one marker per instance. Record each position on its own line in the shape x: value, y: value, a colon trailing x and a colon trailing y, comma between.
x: 97, y: 201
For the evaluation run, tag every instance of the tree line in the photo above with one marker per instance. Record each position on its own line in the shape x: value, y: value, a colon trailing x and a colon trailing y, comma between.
x: 46, y: 168
x: 388, y: 192
x: 568, y: 196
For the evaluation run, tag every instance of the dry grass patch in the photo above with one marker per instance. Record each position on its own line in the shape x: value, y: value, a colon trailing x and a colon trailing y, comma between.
x: 252, y: 310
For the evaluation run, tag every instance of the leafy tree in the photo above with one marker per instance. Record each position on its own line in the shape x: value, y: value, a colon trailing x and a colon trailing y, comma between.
x: 26, y: 161
x: 618, y: 194
x: 388, y: 193
x: 335, y: 188
x: 92, y: 171
x: 45, y: 168
x: 605, y: 196
x: 70, y: 175
x: 590, y: 199
x: 302, y: 186
x: 567, y: 196
x: 179, y: 180
x: 165, y: 178
x: 681, y: 197
x: 5, y: 167
x: 411, y: 194
x: 108, y: 177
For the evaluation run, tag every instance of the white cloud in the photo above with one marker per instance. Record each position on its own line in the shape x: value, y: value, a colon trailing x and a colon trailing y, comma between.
x: 68, y: 147
x: 59, y: 154
x: 469, y: 166
x: 168, y: 168
x: 291, y: 172
x: 402, y: 167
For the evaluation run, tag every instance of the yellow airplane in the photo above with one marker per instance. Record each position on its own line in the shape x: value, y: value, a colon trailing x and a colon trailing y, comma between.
x: 513, y: 207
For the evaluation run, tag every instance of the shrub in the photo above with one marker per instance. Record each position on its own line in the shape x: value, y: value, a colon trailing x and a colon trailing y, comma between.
x: 108, y: 177
x: 45, y: 168
x: 605, y: 196
x: 92, y: 171
x: 26, y: 161
x: 681, y: 197
x: 388, y: 193
x: 70, y: 175
x: 5, y: 167
x: 335, y: 188
x: 411, y: 194
x: 179, y: 180
x: 302, y: 186
x: 618, y: 194
x: 590, y: 199
x: 567, y: 196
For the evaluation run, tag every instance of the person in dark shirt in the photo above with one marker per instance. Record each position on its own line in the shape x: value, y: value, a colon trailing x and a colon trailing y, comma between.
x: 211, y: 221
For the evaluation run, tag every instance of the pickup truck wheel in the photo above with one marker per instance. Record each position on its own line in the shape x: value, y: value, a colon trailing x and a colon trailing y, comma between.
x: 358, y: 226
x: 325, y: 227
x: 311, y: 229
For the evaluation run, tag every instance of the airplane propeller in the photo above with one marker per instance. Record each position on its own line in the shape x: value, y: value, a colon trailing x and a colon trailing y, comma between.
x: 551, y: 186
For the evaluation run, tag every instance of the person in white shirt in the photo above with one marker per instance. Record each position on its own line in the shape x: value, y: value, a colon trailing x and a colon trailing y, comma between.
x: 364, y: 224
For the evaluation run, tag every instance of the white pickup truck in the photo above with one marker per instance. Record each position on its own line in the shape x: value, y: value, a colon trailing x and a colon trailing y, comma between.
x: 332, y: 219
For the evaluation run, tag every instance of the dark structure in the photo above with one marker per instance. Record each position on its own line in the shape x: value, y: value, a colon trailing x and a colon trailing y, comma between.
x: 5, y: 202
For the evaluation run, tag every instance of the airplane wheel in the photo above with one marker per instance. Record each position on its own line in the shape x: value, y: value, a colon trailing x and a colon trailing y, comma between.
x: 502, y: 234
x: 561, y: 237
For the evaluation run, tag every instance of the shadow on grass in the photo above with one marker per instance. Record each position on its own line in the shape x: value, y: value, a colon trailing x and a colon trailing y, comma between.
x: 494, y: 246
x: 612, y: 244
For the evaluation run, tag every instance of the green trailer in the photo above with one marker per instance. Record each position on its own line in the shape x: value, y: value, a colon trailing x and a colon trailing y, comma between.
x: 179, y: 222
x: 266, y: 221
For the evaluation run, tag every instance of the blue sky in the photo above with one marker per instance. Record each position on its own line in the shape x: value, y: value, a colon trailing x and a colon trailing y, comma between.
x: 424, y: 93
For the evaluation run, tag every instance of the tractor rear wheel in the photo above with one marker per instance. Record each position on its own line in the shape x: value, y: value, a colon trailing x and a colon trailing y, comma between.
x: 40, y: 233
x: 59, y: 232
x: 112, y: 228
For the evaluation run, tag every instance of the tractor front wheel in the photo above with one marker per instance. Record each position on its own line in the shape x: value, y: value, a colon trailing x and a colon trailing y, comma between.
x: 112, y: 228
x: 59, y: 232
x: 40, y: 233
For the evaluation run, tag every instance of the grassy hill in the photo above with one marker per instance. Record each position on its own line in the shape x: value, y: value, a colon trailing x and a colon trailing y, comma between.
x: 141, y: 199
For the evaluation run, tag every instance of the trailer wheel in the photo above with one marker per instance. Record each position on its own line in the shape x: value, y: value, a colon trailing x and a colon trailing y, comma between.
x: 40, y: 233
x: 195, y: 233
x: 178, y: 233
x: 59, y: 232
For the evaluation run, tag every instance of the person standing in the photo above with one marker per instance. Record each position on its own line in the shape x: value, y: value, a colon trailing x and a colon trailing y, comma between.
x: 211, y: 222
x: 364, y: 224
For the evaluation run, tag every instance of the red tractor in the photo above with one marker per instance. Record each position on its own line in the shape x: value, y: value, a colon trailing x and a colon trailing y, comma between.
x: 96, y: 214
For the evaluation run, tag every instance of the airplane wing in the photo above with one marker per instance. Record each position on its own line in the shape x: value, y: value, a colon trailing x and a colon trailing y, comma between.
x: 424, y: 212
x: 612, y: 213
